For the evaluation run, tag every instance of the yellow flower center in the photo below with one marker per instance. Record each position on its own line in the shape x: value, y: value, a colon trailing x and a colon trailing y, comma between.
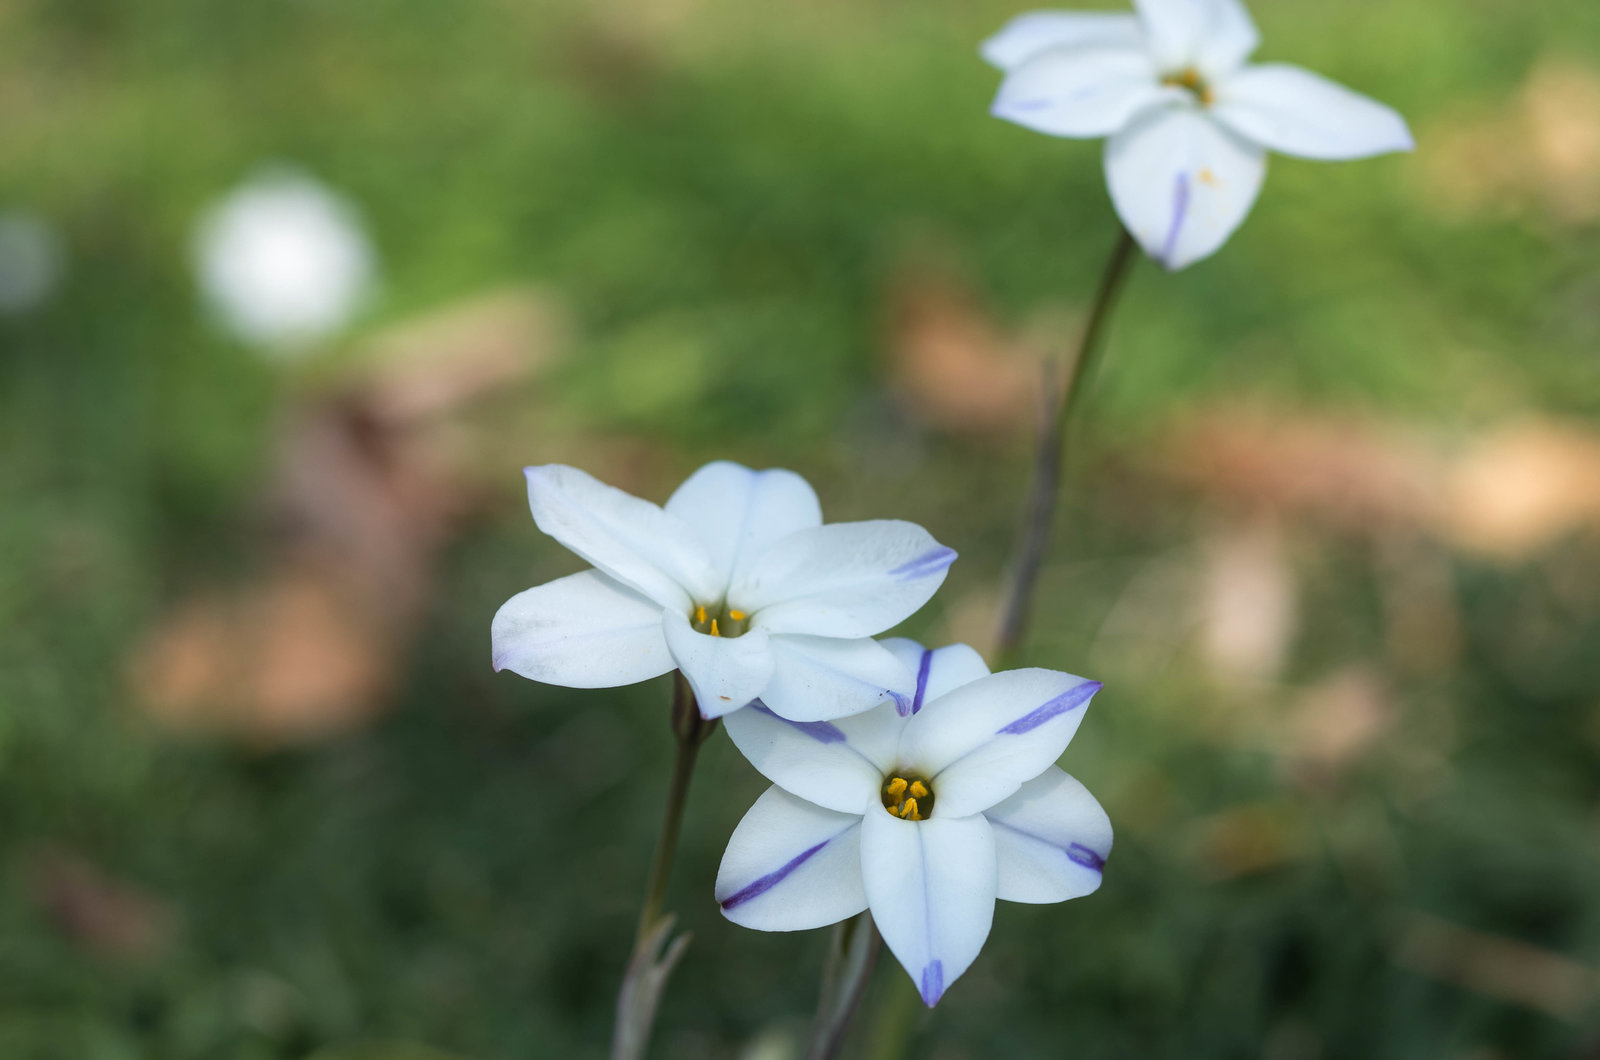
x: 719, y: 621
x: 908, y: 798
x: 1191, y: 80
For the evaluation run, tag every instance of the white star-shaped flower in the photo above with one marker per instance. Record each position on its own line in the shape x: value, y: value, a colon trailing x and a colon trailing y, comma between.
x: 1189, y: 122
x: 924, y: 814
x: 736, y: 582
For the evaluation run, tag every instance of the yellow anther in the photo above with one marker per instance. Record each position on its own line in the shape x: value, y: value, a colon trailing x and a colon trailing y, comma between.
x: 911, y: 813
x: 897, y: 787
x: 919, y: 789
x: 737, y: 616
x: 714, y: 632
x: 700, y: 614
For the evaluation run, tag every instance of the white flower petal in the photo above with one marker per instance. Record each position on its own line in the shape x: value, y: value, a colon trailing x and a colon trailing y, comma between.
x: 1301, y: 113
x: 1027, y: 35
x: 630, y: 539
x: 1082, y: 92
x: 980, y: 743
x: 1228, y: 38
x: 843, y: 580
x: 931, y: 887
x: 1182, y: 183
x: 938, y: 670
x: 822, y: 678
x: 1052, y: 840
x: 737, y: 513
x: 1214, y: 36
x: 725, y: 672
x: 583, y: 631
x: 791, y: 866
x: 838, y: 764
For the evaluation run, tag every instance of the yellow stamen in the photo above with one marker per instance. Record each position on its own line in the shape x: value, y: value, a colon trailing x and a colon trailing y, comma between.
x: 897, y: 787
x: 700, y: 614
x: 714, y: 632
x: 911, y: 813
x: 737, y: 616
x: 919, y: 789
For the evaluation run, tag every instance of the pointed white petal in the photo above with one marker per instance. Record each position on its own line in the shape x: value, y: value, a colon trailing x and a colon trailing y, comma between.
x: 630, y: 539
x: 843, y: 580
x: 583, y: 631
x: 838, y: 764
x: 737, y: 513
x: 1027, y: 35
x: 1052, y: 840
x: 725, y: 672
x: 791, y: 866
x: 1181, y: 183
x: 1082, y: 92
x: 983, y: 741
x: 1301, y: 113
x: 822, y: 678
x: 938, y: 670
x: 931, y: 887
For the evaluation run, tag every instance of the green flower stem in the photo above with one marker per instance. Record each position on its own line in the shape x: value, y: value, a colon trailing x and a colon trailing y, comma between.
x: 1039, y: 517
x: 852, y: 954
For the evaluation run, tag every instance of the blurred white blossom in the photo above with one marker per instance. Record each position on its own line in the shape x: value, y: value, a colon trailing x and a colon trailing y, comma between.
x: 31, y: 261
x: 924, y: 814
x: 1189, y: 122
x: 736, y: 582
x: 284, y: 261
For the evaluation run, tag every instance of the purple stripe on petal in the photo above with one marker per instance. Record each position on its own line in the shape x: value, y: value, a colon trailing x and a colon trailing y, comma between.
x: 1071, y: 699
x: 820, y: 731
x: 771, y: 879
x: 922, y: 679
x: 932, y: 983
x: 1082, y: 855
x: 903, y: 705
x: 1180, y: 213
x: 925, y: 564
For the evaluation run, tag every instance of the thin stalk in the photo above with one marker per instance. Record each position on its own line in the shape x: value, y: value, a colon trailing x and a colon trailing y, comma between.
x: 852, y: 954
x: 1039, y: 516
x: 655, y: 953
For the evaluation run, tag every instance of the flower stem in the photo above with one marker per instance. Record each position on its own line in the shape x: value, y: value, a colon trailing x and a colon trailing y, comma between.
x: 852, y: 954
x: 1039, y: 516
x: 654, y: 952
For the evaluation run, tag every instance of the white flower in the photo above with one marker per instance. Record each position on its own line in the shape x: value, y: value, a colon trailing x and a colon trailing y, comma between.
x: 283, y: 261
x: 925, y: 816
x: 736, y: 582
x: 1189, y: 123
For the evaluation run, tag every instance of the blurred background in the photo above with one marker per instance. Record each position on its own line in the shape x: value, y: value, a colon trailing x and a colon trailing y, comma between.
x: 290, y: 291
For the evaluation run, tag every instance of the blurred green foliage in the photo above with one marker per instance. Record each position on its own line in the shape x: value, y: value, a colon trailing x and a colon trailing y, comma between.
x: 724, y: 194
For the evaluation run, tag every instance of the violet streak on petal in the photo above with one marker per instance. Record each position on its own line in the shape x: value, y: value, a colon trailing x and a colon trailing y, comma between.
x: 1069, y: 700
x: 820, y: 731
x: 1086, y: 857
x: 1180, y: 212
x: 923, y: 669
x: 925, y: 564
x: 771, y: 879
x: 932, y: 983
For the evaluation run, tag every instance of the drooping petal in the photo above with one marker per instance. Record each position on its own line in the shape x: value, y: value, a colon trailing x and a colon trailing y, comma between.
x: 791, y: 865
x: 582, y: 631
x: 983, y: 741
x: 938, y: 670
x: 737, y: 513
x: 630, y: 539
x: 1052, y: 840
x: 838, y: 764
x: 1213, y: 36
x: 725, y: 672
x: 1082, y: 92
x: 843, y: 580
x: 931, y: 887
x: 1301, y: 113
x: 1037, y: 31
x: 822, y: 678
x: 1182, y: 183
